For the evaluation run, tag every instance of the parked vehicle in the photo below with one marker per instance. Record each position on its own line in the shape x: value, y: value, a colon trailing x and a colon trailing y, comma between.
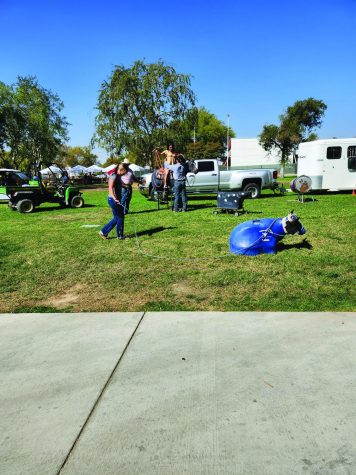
x: 330, y: 163
x: 12, y: 177
x: 212, y: 177
x: 54, y: 190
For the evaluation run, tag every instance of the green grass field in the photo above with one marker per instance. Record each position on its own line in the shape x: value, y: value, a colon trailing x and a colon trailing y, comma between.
x: 177, y: 261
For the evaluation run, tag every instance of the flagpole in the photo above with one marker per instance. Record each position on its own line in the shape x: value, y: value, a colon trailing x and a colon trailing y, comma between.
x: 227, y: 140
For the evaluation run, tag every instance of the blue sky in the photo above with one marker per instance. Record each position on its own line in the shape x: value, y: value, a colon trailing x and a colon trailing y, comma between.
x: 250, y: 59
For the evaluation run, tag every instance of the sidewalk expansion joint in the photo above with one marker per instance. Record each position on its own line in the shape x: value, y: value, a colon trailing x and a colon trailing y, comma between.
x: 102, y: 392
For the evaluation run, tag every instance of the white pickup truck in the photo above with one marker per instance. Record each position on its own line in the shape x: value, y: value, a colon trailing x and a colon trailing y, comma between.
x: 212, y: 177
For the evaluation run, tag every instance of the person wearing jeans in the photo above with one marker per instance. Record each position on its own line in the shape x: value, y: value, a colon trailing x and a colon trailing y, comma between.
x: 180, y: 194
x: 179, y: 174
x: 114, y: 201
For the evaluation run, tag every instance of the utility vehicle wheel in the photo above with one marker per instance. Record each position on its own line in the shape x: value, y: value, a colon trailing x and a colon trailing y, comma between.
x: 254, y: 189
x: 25, y: 206
x: 77, y: 202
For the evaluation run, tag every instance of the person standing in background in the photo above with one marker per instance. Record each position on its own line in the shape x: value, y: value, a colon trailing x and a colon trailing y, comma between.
x: 179, y: 170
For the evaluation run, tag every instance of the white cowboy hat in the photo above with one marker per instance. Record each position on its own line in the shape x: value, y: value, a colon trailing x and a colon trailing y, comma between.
x: 126, y: 160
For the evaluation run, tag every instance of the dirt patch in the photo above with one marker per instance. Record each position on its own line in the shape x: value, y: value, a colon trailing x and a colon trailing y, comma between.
x: 67, y: 298
x: 186, y: 289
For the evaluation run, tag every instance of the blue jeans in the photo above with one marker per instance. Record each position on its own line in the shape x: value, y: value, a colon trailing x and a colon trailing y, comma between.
x: 117, y: 219
x: 126, y: 194
x: 180, y: 192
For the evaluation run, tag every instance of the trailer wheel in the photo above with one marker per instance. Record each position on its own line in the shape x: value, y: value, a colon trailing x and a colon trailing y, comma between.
x: 254, y: 190
x: 77, y: 202
x: 25, y: 206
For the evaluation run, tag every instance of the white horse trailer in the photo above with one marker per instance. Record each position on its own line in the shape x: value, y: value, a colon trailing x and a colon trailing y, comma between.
x: 330, y: 163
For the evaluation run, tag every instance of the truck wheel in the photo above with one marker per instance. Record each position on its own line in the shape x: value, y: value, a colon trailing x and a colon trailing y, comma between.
x: 254, y: 190
x: 25, y: 206
x: 77, y: 202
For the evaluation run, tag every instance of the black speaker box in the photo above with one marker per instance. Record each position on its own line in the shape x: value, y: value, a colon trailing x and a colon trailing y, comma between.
x: 231, y: 200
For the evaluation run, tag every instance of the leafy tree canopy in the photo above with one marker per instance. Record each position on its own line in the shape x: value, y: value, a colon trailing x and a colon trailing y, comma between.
x: 78, y: 156
x: 210, y: 136
x: 296, y: 126
x: 32, y: 128
x: 137, y: 106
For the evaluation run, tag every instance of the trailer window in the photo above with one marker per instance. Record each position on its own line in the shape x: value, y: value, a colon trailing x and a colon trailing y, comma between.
x: 333, y: 153
x: 351, y: 158
x: 205, y: 166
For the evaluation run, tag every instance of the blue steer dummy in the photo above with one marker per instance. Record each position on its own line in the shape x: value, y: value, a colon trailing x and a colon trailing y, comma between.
x: 260, y: 236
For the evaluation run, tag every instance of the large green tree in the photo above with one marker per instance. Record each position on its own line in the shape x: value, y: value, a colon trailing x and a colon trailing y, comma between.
x: 137, y: 105
x: 79, y: 156
x: 210, y: 136
x: 32, y: 128
x: 296, y: 126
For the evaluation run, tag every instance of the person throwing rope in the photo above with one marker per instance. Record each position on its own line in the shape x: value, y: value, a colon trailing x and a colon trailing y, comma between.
x: 114, y: 201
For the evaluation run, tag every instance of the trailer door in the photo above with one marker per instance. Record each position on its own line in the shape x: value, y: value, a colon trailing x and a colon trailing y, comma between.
x: 336, y: 175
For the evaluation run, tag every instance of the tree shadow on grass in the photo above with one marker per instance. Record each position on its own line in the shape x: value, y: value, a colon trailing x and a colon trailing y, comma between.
x: 60, y: 208
x: 300, y: 245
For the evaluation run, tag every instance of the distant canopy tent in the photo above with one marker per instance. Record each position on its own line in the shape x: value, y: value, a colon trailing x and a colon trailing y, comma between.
x: 136, y: 168
x: 77, y: 170
x: 51, y: 170
x: 133, y: 167
x: 94, y: 169
x: 110, y: 169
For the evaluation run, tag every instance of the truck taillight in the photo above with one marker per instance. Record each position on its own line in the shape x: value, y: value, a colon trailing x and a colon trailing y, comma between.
x: 275, y: 174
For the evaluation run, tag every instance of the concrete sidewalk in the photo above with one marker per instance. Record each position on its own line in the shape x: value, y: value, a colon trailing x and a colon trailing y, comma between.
x: 178, y: 393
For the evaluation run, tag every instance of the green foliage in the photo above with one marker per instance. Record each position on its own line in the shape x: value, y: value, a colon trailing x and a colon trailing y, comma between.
x: 111, y: 160
x: 32, y: 128
x: 137, y: 105
x: 210, y: 135
x: 78, y: 156
x: 200, y: 150
x: 296, y: 126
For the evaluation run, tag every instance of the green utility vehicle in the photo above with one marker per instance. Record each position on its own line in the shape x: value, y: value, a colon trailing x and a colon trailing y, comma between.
x: 25, y: 196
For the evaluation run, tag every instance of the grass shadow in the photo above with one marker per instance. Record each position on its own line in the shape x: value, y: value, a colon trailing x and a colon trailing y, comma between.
x: 146, y: 232
x: 60, y: 208
x: 305, y: 244
x: 195, y: 207
x: 40, y: 309
x: 149, y: 232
